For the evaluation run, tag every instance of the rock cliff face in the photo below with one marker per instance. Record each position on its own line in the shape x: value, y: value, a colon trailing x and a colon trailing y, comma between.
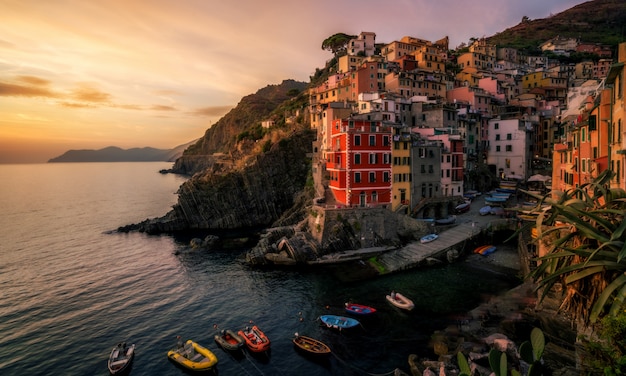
x: 252, y: 197
x: 241, y: 122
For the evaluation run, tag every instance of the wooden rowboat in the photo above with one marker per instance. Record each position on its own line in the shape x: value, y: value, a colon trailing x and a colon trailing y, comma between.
x: 311, y: 346
x: 121, y: 359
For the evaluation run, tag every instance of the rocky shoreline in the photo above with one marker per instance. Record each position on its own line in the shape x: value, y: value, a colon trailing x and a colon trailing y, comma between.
x: 503, y: 322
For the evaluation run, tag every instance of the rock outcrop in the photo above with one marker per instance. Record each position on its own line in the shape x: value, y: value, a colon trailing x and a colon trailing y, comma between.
x: 248, y: 198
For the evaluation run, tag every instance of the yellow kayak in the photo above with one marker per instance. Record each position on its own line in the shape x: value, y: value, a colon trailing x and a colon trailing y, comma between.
x: 193, y: 356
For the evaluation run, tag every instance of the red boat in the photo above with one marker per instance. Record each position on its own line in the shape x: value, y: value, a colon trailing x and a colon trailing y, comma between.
x: 255, y: 339
x: 359, y: 309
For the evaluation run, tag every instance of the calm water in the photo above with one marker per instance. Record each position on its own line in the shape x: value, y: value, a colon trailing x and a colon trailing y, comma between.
x: 70, y: 291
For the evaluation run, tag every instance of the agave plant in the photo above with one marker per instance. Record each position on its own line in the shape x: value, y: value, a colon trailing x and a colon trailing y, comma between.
x: 584, y: 234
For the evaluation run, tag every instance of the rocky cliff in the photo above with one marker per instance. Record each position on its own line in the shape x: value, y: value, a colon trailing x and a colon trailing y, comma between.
x: 251, y: 197
x: 243, y: 123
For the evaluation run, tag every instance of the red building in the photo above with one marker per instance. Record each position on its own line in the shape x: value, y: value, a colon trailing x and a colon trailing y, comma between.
x: 359, y: 163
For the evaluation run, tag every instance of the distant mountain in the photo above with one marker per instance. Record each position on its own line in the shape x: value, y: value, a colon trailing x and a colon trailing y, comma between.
x: 116, y: 154
x: 597, y: 21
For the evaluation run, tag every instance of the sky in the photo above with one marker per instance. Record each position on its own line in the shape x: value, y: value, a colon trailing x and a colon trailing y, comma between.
x: 77, y: 74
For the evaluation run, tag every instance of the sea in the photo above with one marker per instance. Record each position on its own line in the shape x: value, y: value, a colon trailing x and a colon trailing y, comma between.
x: 71, y: 287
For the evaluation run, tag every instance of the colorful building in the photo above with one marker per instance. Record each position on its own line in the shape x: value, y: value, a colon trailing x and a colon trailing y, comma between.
x: 359, y: 163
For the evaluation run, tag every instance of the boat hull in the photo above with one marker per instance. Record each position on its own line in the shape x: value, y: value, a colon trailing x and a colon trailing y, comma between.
x: 359, y: 309
x: 228, y: 340
x: 339, y: 322
x: 428, y: 238
x: 121, y: 359
x: 311, y: 346
x: 401, y: 301
x: 255, y: 339
x: 193, y: 357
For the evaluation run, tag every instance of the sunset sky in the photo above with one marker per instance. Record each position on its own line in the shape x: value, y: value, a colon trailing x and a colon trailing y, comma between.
x: 78, y: 74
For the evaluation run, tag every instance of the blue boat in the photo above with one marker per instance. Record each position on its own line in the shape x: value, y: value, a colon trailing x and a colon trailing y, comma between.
x: 339, y: 322
x: 500, y: 194
x: 506, y: 190
x: 428, y: 238
x: 491, y: 200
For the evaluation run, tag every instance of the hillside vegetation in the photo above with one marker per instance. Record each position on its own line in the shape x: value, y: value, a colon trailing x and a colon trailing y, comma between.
x: 598, y: 21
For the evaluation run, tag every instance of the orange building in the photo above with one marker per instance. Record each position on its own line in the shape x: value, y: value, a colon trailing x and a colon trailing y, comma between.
x: 359, y: 163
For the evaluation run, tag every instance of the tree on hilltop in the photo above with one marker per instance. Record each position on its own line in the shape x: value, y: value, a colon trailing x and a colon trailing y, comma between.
x: 337, y: 42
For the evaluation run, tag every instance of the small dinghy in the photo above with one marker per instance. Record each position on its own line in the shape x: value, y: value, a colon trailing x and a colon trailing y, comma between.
x: 192, y: 356
x: 359, y: 309
x: 121, y: 359
x: 228, y: 340
x: 462, y: 208
x: 311, y: 346
x: 488, y: 250
x: 446, y: 221
x: 428, y: 238
x: 255, y: 339
x: 485, y: 210
x: 339, y: 322
x: 400, y: 301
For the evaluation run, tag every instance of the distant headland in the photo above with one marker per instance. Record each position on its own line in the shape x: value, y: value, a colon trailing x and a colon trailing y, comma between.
x: 117, y: 154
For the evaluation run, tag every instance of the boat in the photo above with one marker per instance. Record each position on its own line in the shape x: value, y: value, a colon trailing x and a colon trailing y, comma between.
x: 428, y: 238
x: 121, y: 359
x: 489, y: 250
x: 359, y: 309
x: 339, y: 322
x: 192, y: 356
x: 311, y: 346
x: 497, y: 210
x: 505, y: 190
x: 493, y: 200
x: 255, y: 339
x: 462, y: 208
x: 446, y: 221
x: 228, y: 340
x: 500, y: 194
x: 485, y: 210
x: 481, y: 248
x: 400, y: 301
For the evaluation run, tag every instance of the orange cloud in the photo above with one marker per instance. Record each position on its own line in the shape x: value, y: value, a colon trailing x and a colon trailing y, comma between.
x: 16, y: 90
x: 211, y: 111
x: 32, y: 80
x: 89, y: 94
x: 159, y: 107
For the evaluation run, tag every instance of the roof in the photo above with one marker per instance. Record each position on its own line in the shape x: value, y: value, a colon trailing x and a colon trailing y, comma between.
x: 614, y: 71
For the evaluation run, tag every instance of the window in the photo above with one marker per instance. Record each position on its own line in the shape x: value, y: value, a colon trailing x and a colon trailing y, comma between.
x: 357, y: 177
x: 386, y: 176
x: 357, y: 159
x: 509, y: 148
x: 497, y: 137
x: 387, y: 158
x: 372, y: 177
x: 497, y: 147
x: 373, y: 158
x: 423, y: 169
x: 496, y: 126
x: 372, y: 140
x: 357, y: 140
x: 386, y: 140
x: 509, y: 136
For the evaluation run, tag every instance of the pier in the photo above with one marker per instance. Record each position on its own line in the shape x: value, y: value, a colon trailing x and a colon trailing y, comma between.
x: 469, y: 229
